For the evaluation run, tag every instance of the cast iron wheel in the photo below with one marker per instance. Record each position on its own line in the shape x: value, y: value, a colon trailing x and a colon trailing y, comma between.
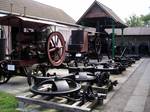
x: 56, y: 87
x: 56, y: 48
x: 98, y: 46
x: 36, y: 71
x: 4, y: 78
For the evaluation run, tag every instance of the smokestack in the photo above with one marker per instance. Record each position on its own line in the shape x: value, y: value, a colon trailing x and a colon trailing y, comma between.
x: 25, y: 11
x: 11, y: 8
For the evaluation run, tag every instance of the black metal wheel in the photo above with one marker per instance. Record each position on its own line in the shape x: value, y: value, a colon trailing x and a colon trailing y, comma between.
x: 98, y: 47
x: 4, y: 75
x: 56, y: 87
x: 36, y: 71
x: 56, y: 48
x: 102, y: 78
x: 4, y: 78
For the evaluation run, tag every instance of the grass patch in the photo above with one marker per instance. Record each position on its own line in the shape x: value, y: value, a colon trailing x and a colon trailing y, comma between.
x: 8, y: 102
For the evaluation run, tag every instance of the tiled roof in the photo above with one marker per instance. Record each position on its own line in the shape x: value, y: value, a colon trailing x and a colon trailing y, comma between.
x: 36, y: 9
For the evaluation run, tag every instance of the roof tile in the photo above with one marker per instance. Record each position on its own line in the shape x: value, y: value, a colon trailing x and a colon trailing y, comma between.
x: 36, y: 9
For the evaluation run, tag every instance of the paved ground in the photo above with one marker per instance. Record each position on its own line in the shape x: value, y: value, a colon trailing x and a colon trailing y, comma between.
x: 15, y: 85
x: 134, y: 95
x: 131, y: 95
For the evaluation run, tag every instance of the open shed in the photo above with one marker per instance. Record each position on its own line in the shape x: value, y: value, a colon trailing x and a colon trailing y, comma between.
x: 101, y: 17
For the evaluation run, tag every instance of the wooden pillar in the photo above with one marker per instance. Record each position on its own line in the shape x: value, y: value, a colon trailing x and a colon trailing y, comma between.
x: 122, y: 36
x: 122, y: 39
x: 98, y: 26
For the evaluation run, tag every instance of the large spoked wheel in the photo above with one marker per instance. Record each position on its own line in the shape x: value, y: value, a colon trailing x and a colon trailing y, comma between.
x: 98, y: 47
x: 56, y: 48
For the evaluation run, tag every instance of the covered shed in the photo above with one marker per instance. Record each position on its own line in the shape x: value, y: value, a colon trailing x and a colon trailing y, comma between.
x: 101, y: 17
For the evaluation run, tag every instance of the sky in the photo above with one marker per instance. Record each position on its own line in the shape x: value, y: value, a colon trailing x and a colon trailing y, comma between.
x: 123, y: 8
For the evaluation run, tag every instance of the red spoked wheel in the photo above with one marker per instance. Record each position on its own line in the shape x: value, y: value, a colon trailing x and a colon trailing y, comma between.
x: 56, y: 48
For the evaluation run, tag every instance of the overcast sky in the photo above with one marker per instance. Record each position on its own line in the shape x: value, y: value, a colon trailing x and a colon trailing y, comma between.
x: 123, y: 8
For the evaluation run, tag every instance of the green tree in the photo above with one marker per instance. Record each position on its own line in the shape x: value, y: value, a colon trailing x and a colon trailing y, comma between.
x: 146, y: 19
x: 134, y: 21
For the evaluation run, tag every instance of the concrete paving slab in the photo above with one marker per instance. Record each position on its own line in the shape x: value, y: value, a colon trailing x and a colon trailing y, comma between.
x: 122, y: 78
x: 136, y: 104
x: 137, y: 100
x: 147, y: 103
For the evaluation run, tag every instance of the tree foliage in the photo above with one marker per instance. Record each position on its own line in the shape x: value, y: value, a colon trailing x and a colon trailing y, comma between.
x: 146, y: 19
x: 135, y: 21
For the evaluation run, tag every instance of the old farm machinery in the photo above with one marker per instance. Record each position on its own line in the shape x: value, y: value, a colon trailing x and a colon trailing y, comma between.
x: 36, y: 51
x: 30, y: 46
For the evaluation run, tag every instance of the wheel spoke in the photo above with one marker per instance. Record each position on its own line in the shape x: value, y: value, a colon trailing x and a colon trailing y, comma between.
x: 58, y: 54
x: 52, y: 49
x: 53, y: 42
x: 57, y: 41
